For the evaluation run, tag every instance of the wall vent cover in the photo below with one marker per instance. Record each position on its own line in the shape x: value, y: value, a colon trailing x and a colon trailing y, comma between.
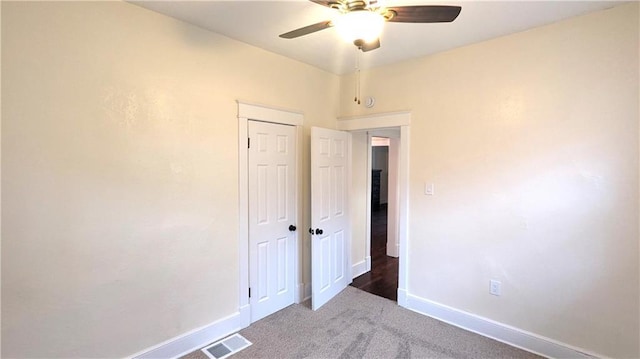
x: 226, y: 347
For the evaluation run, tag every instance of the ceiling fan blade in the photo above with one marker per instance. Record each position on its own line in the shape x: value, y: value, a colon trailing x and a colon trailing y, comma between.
x: 370, y: 46
x: 307, y: 30
x: 424, y: 13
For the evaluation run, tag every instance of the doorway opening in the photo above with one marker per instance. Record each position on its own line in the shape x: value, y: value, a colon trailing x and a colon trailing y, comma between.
x: 382, y: 279
x: 396, y: 127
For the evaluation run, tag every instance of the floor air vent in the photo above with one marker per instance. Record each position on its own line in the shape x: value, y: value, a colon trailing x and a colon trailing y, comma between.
x: 225, y: 347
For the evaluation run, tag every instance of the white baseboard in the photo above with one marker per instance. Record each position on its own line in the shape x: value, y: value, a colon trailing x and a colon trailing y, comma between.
x: 393, y: 250
x: 358, y: 269
x: 402, y: 298
x: 501, y: 332
x: 198, y: 338
x: 361, y: 267
x: 245, y: 315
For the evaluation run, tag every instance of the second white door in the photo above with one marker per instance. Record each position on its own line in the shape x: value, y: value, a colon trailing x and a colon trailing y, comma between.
x: 330, y: 237
x: 272, y: 236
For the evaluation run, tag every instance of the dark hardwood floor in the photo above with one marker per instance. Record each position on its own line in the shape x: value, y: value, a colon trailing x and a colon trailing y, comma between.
x: 382, y: 280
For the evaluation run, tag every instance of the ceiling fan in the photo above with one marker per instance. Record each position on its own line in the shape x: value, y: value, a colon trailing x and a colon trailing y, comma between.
x: 361, y: 21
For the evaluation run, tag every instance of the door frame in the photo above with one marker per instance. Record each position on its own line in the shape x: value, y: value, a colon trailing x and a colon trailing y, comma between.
x: 252, y: 112
x: 379, y: 121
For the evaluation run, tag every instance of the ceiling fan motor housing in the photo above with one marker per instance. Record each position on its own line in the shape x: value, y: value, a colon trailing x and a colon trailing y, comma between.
x: 359, y: 26
x: 356, y: 5
x: 361, y: 20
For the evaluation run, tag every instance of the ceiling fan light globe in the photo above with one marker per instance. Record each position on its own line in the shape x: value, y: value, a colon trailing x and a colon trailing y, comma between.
x: 359, y: 25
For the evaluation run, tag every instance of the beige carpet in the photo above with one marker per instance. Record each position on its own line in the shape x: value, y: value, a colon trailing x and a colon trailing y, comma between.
x: 356, y: 324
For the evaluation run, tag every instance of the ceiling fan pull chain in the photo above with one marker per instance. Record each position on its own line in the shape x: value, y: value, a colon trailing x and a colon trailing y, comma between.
x: 357, y: 98
x: 358, y: 86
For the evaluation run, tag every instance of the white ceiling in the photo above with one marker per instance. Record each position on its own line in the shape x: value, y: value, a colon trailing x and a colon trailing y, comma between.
x: 260, y: 22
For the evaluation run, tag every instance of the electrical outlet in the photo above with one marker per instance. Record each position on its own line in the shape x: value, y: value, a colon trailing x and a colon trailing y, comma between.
x: 495, y: 287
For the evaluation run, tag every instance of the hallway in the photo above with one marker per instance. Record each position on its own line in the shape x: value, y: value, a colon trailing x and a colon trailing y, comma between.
x: 382, y: 280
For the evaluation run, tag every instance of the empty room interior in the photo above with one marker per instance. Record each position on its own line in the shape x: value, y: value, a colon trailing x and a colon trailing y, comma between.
x: 175, y: 172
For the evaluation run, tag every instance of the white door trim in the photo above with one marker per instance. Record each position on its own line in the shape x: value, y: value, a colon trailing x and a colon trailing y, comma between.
x: 403, y: 121
x: 246, y: 112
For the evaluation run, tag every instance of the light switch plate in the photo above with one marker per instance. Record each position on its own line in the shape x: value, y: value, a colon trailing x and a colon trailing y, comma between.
x: 429, y: 189
x: 495, y: 287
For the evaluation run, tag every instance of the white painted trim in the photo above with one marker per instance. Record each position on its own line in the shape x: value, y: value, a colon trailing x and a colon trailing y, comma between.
x: 379, y: 141
x: 393, y: 249
x: 193, y: 340
x: 402, y: 297
x: 383, y: 120
x: 349, y: 201
x: 501, y: 332
x: 367, y: 245
x: 403, y: 209
x: 359, y: 269
x: 243, y: 211
x: 245, y: 315
x: 246, y: 112
x: 385, y: 133
x: 269, y: 114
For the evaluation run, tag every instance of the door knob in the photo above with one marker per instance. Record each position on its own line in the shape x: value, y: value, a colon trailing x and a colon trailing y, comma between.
x: 319, y: 231
x: 292, y: 228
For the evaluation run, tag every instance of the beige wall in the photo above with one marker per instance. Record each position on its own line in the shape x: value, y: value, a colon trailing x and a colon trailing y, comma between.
x: 119, y: 166
x: 531, y: 141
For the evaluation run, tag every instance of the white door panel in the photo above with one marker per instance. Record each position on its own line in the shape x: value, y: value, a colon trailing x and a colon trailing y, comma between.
x: 271, y: 212
x: 329, y: 214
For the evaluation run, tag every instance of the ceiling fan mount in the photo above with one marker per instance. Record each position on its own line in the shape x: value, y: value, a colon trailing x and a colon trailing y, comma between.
x: 358, y: 5
x: 361, y: 21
